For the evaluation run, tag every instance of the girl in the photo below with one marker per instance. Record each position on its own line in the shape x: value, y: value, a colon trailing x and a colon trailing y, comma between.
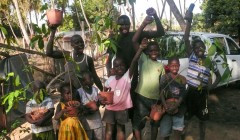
x: 41, y: 124
x: 120, y: 83
x: 173, y: 90
x: 70, y: 127
x: 91, y: 118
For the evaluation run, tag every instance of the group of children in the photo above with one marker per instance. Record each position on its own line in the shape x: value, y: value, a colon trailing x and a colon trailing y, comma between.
x: 154, y: 86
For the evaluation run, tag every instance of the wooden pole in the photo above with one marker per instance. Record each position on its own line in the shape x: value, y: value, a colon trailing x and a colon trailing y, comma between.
x: 21, y: 49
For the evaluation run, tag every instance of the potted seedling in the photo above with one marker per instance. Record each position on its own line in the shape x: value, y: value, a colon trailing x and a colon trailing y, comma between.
x: 54, y: 16
x: 92, y: 105
x: 72, y: 108
x: 106, y: 96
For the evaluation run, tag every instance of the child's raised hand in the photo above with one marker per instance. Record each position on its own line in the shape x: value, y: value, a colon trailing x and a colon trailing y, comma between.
x: 188, y: 16
x: 151, y: 11
x: 148, y: 20
x: 52, y: 26
x: 144, y: 43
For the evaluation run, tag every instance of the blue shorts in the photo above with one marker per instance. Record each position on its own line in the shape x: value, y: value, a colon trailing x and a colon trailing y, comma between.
x: 169, y: 123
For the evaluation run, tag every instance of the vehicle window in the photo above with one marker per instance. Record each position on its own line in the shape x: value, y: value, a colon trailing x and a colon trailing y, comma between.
x: 233, y: 48
x: 220, y: 42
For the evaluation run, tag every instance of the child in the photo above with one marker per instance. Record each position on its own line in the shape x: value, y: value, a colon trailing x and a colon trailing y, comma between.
x: 198, y: 79
x: 172, y: 90
x: 41, y: 124
x: 91, y: 119
x: 70, y: 127
x: 83, y: 61
x: 117, y: 113
x: 148, y: 86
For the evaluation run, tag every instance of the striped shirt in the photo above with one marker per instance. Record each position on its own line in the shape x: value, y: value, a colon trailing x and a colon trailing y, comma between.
x: 198, y: 75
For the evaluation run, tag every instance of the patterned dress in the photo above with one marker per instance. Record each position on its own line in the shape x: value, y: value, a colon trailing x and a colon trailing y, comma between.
x: 71, y: 128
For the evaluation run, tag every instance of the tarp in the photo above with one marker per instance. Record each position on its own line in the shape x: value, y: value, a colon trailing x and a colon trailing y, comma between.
x: 17, y: 64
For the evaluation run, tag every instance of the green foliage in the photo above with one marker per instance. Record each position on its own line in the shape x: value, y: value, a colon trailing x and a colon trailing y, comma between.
x: 171, y: 46
x: 103, y: 35
x: 41, y: 33
x: 68, y: 21
x: 222, y: 16
x: 8, y: 39
x: 11, y: 99
x: 40, y: 95
x: 198, y: 24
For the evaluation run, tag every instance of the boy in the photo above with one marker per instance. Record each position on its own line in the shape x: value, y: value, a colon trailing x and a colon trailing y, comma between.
x: 198, y: 79
x: 173, y: 90
x: 148, y: 87
x: 84, y: 62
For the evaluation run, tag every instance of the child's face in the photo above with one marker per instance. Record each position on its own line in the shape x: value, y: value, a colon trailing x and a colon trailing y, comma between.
x: 153, y: 52
x: 79, y: 47
x: 174, y: 67
x: 124, y: 29
x: 199, y: 49
x: 119, y: 67
x: 87, y: 80
x: 67, y: 96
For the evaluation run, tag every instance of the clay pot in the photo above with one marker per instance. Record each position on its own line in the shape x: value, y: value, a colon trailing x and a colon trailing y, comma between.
x: 72, y: 111
x: 92, y: 105
x: 38, y: 113
x: 54, y: 16
x: 171, y: 102
x: 72, y: 108
x: 157, y: 112
x: 107, y: 97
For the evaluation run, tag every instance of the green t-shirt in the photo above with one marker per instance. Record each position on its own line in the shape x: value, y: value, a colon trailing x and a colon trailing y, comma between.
x: 149, y: 75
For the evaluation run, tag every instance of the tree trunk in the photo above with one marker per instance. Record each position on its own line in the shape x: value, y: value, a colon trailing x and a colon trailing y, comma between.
x: 158, y: 11
x: 78, y: 17
x: 164, y: 5
x: 30, y: 24
x: 184, y: 8
x: 133, y: 16
x: 170, y: 23
x: 85, y: 16
x: 177, y: 14
x: 21, y: 49
x: 180, y: 7
x: 24, y: 31
x: 36, y: 16
x: 12, y: 30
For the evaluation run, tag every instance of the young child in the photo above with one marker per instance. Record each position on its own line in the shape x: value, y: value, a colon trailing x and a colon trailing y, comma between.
x: 70, y: 126
x: 148, y: 86
x: 172, y: 90
x: 198, y: 78
x: 41, y: 125
x: 117, y: 113
x: 91, y: 118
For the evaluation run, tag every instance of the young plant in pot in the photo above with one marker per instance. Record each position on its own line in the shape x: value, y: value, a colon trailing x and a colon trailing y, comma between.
x: 54, y: 16
x: 92, y: 105
x: 72, y: 108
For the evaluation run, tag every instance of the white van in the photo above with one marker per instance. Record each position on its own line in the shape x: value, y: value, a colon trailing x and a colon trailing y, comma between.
x: 172, y: 44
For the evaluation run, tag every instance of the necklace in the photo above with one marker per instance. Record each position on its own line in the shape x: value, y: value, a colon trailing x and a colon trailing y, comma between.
x: 82, y: 58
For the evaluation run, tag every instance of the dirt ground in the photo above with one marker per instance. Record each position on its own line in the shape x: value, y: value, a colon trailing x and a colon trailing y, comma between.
x: 224, y: 123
